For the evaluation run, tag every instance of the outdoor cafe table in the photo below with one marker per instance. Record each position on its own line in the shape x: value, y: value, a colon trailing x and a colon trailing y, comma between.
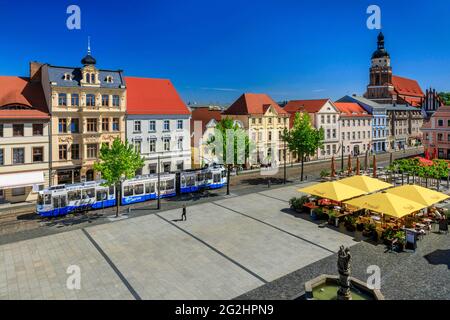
x: 311, y: 206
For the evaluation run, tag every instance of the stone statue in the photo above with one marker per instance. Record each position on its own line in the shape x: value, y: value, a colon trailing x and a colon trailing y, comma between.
x: 344, y: 268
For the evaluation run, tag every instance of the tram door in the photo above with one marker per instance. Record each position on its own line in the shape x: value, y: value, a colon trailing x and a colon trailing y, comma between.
x: 59, y: 203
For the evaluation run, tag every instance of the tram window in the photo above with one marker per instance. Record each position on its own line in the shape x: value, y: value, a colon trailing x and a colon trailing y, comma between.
x: 162, y: 186
x: 111, y: 190
x: 47, y: 199
x: 40, y: 200
x: 102, y: 195
x: 216, y: 178
x: 127, y: 191
x: 63, y: 201
x: 200, y: 177
x: 150, y: 187
x: 170, y: 185
x: 209, y: 175
x: 224, y: 174
x: 190, y: 181
x: 89, y: 193
x: 138, y: 189
x: 74, y: 195
x: 183, y: 181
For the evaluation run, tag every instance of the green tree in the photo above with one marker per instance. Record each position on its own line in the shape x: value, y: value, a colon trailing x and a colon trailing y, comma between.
x: 303, y: 138
x: 118, y: 162
x: 445, y: 96
x: 226, y: 131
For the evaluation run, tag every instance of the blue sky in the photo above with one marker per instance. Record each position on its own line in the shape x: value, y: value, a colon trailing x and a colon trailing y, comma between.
x: 213, y: 51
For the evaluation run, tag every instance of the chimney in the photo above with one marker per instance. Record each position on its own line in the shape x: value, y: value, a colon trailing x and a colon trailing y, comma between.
x: 35, y: 71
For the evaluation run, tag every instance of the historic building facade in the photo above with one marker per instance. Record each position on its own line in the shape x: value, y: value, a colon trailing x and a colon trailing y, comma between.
x: 324, y: 114
x: 265, y: 121
x: 158, y: 124
x: 380, y: 130
x: 87, y: 107
x: 355, y: 128
x: 436, y: 133
x: 203, y: 124
x: 24, y: 139
x: 404, y: 123
x: 386, y: 88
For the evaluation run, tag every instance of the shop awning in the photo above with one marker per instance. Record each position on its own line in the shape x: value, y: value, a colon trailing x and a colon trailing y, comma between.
x: 333, y: 190
x: 419, y: 194
x: 387, y: 203
x: 366, y: 183
x: 22, y: 179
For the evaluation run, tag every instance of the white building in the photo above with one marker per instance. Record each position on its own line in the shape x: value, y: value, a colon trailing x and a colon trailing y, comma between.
x: 158, y: 124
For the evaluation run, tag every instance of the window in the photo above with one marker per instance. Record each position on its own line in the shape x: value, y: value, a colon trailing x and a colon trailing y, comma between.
x: 152, y: 126
x: 38, y: 154
x: 92, y: 77
x: 166, y: 125
x: 90, y: 100
x: 18, y: 130
x: 75, y: 99
x: 180, y: 143
x: 91, y: 125
x: 253, y: 120
x: 440, y: 123
x: 1, y: 130
x: 259, y: 120
x: 62, y: 99
x: 62, y: 152
x: 270, y: 135
x: 75, y: 151
x: 2, y: 157
x: 38, y: 129
x: 328, y: 118
x: 18, y: 156
x: 137, y: 146
x: 180, y: 124
x: 440, y: 136
x: 74, y: 125
x: 166, y: 142
x: 17, y: 192
x: 270, y: 120
x: 116, y: 101
x: 105, y: 124
x: 322, y: 119
x: 67, y: 77
x: 343, y: 135
x: 92, y: 151
x: 62, y: 125
x: 116, y: 124
x: 137, y: 126
x: 109, y: 79
x: 152, y: 145
x: 105, y: 100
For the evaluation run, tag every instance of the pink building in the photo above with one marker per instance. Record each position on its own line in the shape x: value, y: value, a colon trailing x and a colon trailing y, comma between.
x: 436, y: 134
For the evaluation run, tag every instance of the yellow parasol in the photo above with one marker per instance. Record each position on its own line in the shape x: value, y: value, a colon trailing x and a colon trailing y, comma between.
x: 387, y: 203
x: 333, y: 190
x: 365, y: 183
x: 418, y: 194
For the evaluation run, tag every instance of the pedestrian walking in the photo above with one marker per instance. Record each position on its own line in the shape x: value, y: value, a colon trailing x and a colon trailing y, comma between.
x: 183, y: 214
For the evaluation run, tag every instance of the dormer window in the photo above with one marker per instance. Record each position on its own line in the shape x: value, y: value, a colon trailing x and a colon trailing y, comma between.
x: 109, y: 79
x: 92, y: 77
x: 67, y: 77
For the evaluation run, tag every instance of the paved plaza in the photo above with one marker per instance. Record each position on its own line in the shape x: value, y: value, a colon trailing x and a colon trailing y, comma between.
x: 225, y: 249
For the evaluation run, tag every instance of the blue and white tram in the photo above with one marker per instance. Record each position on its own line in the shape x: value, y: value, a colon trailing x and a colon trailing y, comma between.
x: 216, y: 177
x: 61, y: 200
x: 144, y: 188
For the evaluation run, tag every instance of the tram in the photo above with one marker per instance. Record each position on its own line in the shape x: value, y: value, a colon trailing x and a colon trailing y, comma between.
x: 63, y: 199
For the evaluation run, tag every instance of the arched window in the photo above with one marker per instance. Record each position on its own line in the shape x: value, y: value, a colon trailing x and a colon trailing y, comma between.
x: 88, y: 78
x: 92, y: 77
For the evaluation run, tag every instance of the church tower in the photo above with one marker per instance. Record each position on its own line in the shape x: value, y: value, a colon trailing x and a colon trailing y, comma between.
x: 380, y: 88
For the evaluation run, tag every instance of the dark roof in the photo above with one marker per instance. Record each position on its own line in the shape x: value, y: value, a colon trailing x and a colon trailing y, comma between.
x: 56, y: 75
x: 88, y: 60
x: 381, y: 51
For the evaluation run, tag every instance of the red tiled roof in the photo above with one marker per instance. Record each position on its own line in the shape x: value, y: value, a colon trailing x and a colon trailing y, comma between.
x: 204, y: 115
x: 153, y: 96
x: 252, y: 104
x: 19, y: 91
x: 405, y: 86
x: 310, y: 106
x: 351, y: 109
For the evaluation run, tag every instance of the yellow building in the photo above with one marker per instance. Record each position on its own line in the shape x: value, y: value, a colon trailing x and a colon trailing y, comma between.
x: 265, y: 121
x: 87, y: 107
x: 24, y: 139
